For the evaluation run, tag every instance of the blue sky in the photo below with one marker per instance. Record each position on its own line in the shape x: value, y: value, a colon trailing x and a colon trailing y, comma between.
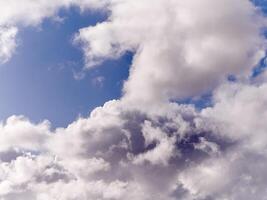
x: 192, y: 120
x: 40, y: 76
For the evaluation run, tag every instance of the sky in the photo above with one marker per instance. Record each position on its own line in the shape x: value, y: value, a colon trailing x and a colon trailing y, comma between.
x: 41, y: 76
x: 133, y: 99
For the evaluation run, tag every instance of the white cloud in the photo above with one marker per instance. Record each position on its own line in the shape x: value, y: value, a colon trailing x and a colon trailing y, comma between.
x: 19, y: 132
x: 238, y: 120
x: 239, y: 111
x: 182, y: 48
x: 31, y: 13
x: 7, y: 42
x: 93, y: 154
x: 123, y: 153
x: 142, y: 146
x: 16, y: 14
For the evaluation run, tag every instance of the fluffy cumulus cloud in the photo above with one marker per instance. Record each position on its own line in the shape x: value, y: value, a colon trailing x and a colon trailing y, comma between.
x: 182, y: 48
x: 145, y: 146
x: 237, y: 117
x: 116, y: 153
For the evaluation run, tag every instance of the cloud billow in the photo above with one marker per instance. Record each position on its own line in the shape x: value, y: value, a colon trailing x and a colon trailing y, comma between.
x: 143, y: 146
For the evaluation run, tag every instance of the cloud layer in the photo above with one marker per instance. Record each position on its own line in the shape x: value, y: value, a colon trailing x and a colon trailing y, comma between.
x: 144, y: 146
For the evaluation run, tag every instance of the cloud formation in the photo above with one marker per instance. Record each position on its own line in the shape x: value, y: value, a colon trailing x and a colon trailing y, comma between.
x: 182, y: 48
x: 144, y: 146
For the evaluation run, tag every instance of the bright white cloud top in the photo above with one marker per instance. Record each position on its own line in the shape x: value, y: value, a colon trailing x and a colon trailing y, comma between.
x: 142, y: 146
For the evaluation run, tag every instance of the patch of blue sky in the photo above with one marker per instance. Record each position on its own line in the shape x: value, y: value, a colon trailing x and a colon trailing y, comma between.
x: 262, y: 4
x: 200, y: 102
x: 39, y: 82
x: 261, y: 67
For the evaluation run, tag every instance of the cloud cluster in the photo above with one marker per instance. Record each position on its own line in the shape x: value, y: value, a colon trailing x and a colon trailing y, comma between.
x: 124, y: 153
x: 116, y: 153
x: 144, y: 146
x: 182, y: 48
x: 237, y: 117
